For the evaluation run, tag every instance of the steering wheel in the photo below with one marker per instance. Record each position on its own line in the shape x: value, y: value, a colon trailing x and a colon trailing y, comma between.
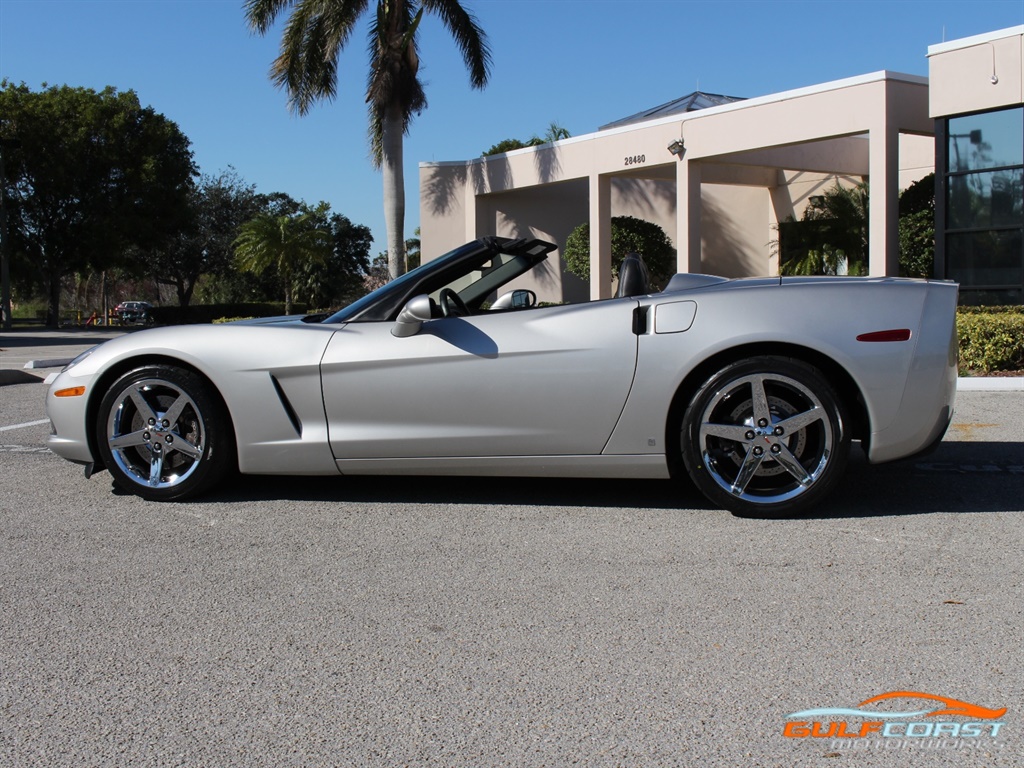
x: 451, y: 304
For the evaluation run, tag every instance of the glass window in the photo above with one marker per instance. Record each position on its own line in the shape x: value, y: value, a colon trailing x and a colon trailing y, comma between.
x: 975, y: 297
x: 490, y: 275
x: 984, y: 237
x: 985, y: 258
x: 988, y: 140
x: 989, y: 199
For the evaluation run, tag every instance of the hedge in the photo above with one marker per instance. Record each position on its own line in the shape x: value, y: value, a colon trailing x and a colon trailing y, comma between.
x: 991, y: 339
x: 207, y: 313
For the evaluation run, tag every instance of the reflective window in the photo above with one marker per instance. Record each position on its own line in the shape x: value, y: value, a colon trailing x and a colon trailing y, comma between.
x: 989, y: 140
x: 975, y: 297
x: 984, y: 235
x: 989, y: 199
x: 985, y: 258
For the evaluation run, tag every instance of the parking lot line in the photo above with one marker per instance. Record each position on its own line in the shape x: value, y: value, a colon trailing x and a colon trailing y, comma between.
x: 35, y: 423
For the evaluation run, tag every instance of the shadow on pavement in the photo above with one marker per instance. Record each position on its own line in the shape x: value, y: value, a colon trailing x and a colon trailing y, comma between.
x: 496, y: 491
x: 957, y: 477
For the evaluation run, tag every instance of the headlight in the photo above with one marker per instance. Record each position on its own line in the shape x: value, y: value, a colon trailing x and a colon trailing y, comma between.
x: 79, y: 359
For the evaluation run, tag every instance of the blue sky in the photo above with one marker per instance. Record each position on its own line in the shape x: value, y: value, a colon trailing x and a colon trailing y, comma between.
x: 580, y: 63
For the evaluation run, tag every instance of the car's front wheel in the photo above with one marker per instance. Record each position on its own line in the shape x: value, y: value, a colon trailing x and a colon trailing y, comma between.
x: 765, y: 437
x: 163, y: 433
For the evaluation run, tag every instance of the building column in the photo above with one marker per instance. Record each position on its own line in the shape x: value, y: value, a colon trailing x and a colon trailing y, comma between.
x: 600, y: 237
x: 884, y: 202
x: 687, y: 216
x: 470, y: 212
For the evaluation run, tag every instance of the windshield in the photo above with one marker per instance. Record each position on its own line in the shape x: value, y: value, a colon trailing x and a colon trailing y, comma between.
x: 397, y: 287
x: 474, y: 286
x: 473, y: 271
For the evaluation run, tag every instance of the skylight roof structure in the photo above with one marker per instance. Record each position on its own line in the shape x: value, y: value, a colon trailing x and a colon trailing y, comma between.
x: 689, y: 103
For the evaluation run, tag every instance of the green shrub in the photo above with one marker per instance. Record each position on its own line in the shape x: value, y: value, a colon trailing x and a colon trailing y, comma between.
x: 991, y: 309
x: 629, y: 235
x: 991, y: 339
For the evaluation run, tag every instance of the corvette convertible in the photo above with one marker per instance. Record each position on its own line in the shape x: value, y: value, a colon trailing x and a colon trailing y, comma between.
x: 754, y: 388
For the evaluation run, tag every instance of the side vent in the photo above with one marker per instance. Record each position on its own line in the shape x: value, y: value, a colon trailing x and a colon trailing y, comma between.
x: 293, y: 417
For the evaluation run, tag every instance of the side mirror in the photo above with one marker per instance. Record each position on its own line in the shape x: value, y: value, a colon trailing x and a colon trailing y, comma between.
x: 523, y: 298
x: 413, y: 315
x: 520, y: 298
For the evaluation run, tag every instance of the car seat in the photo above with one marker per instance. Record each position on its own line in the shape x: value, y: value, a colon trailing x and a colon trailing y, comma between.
x: 633, y: 278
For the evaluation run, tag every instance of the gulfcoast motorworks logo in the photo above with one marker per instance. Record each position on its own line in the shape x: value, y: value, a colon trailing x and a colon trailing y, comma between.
x: 930, y: 726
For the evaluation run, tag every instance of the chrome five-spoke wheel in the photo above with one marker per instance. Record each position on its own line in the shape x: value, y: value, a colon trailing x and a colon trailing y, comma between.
x: 765, y: 437
x: 161, y: 432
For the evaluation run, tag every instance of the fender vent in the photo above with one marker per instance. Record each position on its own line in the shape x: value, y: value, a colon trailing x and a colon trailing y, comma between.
x: 293, y: 417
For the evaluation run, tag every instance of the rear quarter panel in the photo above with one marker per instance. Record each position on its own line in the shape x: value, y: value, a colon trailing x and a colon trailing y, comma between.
x: 824, y: 315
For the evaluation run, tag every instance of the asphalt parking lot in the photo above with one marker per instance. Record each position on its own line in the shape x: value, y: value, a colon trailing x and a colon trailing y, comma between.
x: 454, y: 622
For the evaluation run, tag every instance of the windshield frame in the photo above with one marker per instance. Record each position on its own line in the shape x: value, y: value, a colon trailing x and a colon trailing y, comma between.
x: 386, y: 302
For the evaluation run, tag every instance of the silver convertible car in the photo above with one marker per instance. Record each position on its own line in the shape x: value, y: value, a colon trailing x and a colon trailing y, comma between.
x: 754, y: 388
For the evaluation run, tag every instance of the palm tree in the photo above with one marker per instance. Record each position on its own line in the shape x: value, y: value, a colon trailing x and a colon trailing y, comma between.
x: 840, y: 233
x: 307, y: 68
x: 281, y: 242
x: 556, y: 132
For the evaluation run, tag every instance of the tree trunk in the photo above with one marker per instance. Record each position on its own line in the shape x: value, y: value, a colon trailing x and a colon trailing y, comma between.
x: 188, y: 287
x: 394, y: 190
x: 53, y: 311
x: 183, y: 299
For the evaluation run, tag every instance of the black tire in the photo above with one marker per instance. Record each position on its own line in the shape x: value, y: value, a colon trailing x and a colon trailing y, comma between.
x: 765, y: 437
x: 163, y: 433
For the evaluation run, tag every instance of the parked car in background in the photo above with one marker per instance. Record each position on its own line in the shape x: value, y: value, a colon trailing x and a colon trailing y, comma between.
x: 133, y: 313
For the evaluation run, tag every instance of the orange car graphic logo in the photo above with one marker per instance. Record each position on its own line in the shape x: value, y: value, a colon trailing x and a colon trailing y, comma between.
x: 950, y: 707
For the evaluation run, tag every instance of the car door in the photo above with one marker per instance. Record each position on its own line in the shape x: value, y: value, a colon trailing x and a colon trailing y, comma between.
x: 545, y: 381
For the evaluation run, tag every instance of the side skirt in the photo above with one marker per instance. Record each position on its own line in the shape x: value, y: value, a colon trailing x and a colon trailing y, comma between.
x: 644, y: 466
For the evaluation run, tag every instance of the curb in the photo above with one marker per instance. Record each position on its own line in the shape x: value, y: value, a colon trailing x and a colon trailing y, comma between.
x: 990, y: 384
x: 58, y: 362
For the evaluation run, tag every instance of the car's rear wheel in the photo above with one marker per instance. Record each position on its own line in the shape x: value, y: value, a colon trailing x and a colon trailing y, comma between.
x: 163, y: 433
x: 765, y: 437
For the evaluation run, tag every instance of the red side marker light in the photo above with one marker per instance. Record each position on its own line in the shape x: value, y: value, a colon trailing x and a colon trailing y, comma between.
x: 896, y: 334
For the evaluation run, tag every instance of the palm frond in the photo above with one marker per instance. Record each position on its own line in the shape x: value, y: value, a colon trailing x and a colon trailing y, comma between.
x: 468, y: 35
x: 260, y: 14
x: 394, y: 59
x: 316, y: 32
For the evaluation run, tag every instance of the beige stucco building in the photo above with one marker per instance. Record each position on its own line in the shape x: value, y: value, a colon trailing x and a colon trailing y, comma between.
x: 719, y: 180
